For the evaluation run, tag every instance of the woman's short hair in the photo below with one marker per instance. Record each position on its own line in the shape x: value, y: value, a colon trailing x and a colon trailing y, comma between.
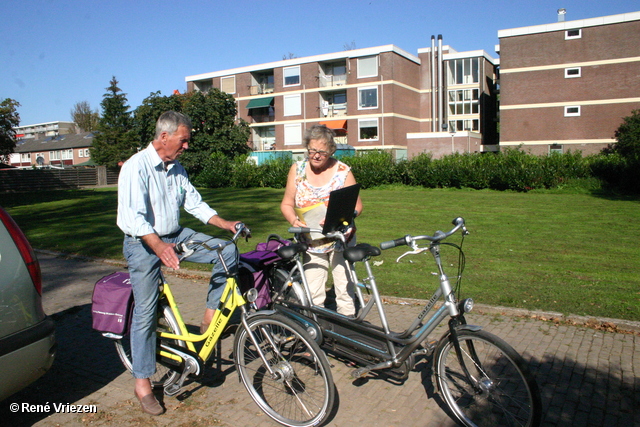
x: 170, y: 121
x: 321, y: 133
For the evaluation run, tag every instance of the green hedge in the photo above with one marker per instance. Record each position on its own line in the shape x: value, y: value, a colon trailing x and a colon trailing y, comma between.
x: 511, y: 169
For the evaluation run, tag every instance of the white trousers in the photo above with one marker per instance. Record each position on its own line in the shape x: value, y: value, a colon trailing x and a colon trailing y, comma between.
x: 316, y: 269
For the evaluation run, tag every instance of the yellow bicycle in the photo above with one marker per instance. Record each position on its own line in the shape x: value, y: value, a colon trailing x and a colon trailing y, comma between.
x: 281, y: 366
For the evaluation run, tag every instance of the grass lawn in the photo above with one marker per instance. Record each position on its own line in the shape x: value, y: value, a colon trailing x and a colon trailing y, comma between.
x: 548, y: 250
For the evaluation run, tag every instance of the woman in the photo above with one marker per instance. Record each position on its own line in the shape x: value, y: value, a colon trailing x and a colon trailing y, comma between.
x: 305, y: 199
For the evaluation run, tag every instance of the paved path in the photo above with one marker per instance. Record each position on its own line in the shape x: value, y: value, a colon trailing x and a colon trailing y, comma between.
x: 588, y: 377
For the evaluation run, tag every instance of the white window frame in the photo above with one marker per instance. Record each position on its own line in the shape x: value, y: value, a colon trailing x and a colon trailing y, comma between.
x: 25, y: 157
x: 364, y: 65
x: 292, y: 105
x: 67, y: 155
x: 87, y: 153
x: 81, y: 153
x: 362, y: 89
x: 568, y: 75
x: 293, y: 134
x: 368, y: 124
x: 568, y: 113
x: 54, y: 155
x: 568, y: 36
x: 225, y: 80
x: 556, y: 148
x: 290, y: 72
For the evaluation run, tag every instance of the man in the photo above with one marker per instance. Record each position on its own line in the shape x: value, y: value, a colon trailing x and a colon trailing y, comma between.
x: 152, y: 187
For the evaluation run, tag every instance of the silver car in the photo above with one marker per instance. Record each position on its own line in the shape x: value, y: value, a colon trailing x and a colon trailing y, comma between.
x: 27, y: 334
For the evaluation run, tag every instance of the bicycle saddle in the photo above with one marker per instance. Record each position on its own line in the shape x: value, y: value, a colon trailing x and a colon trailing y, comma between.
x: 360, y: 252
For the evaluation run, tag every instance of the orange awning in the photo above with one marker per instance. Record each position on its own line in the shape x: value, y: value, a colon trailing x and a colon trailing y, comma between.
x: 335, y: 124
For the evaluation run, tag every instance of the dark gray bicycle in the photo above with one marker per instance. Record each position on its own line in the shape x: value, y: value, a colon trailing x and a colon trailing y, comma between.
x: 481, y: 378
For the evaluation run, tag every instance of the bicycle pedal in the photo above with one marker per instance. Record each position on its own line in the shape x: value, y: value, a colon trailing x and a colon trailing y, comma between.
x: 172, y: 390
x: 359, y: 373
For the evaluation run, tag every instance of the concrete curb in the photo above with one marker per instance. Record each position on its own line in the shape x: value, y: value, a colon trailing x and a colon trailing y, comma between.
x: 604, y: 323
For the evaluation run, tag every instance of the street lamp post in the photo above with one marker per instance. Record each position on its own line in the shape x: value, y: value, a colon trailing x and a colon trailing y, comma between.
x: 452, y: 131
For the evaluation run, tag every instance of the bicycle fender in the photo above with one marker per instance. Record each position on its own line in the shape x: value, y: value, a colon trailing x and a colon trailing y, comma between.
x: 472, y: 328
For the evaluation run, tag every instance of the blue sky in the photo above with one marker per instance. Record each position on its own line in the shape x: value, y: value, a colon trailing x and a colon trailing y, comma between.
x: 56, y: 53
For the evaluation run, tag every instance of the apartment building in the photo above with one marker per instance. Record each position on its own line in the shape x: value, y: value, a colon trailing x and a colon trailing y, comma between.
x: 568, y: 85
x: 44, y: 130
x: 374, y: 98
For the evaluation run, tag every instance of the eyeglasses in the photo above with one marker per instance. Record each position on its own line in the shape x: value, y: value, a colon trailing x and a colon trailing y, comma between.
x: 312, y: 153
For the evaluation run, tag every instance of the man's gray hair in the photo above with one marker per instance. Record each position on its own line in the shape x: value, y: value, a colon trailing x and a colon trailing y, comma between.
x: 170, y: 121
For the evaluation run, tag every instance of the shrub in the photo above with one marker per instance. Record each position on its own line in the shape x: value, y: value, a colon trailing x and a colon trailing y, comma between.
x: 273, y: 173
x: 216, y: 173
x: 372, y: 168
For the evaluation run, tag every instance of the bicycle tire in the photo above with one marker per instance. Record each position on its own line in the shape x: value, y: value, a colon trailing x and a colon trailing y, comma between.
x: 301, y: 393
x: 164, y: 375
x: 509, y: 394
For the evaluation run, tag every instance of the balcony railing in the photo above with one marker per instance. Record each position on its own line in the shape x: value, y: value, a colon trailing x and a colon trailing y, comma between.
x: 331, y: 80
x: 261, y: 89
x: 334, y: 110
x: 262, y: 118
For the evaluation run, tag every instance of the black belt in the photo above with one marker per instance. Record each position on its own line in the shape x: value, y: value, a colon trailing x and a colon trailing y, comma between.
x: 171, y: 235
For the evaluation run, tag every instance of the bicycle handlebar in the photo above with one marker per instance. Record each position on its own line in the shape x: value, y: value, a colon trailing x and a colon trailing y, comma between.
x: 437, y: 237
x: 183, y: 247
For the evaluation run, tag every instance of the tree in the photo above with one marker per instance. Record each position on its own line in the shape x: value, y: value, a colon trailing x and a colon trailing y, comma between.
x: 85, y: 119
x: 115, y: 141
x: 214, y: 127
x: 628, y: 137
x: 9, y: 118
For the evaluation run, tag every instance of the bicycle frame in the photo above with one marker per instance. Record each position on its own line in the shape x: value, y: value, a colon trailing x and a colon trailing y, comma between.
x: 230, y: 301
x: 393, y: 348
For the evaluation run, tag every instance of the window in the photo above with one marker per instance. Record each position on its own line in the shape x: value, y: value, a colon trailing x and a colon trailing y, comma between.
x: 25, y: 157
x: 367, y: 66
x: 367, y: 97
x: 292, y: 105
x: 463, y: 71
x: 572, y: 111
x: 293, y: 134
x: 570, y: 73
x: 67, y: 154
x: 87, y: 153
x: 573, y: 34
x: 555, y: 148
x: 464, y: 125
x: 203, y: 85
x: 367, y: 129
x: 291, y: 76
x: 81, y: 153
x: 228, y: 84
x: 54, y: 155
x: 464, y: 101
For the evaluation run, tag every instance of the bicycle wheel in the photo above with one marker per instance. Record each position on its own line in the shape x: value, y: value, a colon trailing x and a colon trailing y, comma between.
x: 502, y: 391
x: 165, y: 374
x: 296, y: 388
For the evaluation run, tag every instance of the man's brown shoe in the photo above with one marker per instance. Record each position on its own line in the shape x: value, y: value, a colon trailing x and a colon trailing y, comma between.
x: 150, y: 404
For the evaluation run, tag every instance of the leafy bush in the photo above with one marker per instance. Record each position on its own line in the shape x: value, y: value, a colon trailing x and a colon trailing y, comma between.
x: 273, y: 173
x: 244, y: 174
x: 216, y: 173
x: 617, y: 172
x: 372, y: 168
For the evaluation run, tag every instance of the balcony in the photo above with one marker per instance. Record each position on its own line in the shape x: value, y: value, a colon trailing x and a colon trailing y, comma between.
x: 261, y: 89
x: 326, y: 80
x: 333, y: 110
x: 264, y: 144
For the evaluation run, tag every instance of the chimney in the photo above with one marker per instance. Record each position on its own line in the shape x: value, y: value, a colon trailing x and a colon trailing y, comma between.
x: 561, y: 13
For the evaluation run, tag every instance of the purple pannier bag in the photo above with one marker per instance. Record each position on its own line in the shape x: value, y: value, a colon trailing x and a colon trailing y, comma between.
x: 253, y: 270
x: 112, y: 305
